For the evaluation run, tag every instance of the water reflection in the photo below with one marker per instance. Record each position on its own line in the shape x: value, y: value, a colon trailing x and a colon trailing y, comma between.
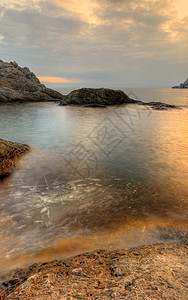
x: 101, y: 179
x: 45, y: 203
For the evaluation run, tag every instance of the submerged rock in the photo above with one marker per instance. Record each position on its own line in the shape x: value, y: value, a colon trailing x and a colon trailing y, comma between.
x: 95, y: 105
x: 96, y: 97
x: 20, y: 85
x: 149, y: 272
x: 160, y: 105
x: 9, y: 152
x: 182, y: 85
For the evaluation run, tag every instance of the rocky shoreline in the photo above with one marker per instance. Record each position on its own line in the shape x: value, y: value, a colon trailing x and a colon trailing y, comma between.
x: 9, y: 153
x: 157, y: 271
x: 18, y: 85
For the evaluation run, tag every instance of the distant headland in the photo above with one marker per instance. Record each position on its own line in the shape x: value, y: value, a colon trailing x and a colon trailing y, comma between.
x: 182, y: 85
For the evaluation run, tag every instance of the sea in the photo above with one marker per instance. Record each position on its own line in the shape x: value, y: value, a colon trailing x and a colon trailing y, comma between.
x: 96, y: 178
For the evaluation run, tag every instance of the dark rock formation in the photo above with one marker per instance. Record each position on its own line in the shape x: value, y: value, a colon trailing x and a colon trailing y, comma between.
x: 96, y: 97
x: 9, y: 152
x: 160, y: 105
x: 150, y: 272
x: 95, y: 105
x: 88, y: 97
x: 182, y: 85
x: 19, y: 85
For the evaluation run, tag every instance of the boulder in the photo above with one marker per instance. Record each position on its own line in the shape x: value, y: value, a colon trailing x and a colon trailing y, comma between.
x: 20, y: 85
x: 103, y: 97
x: 96, y: 97
x: 9, y: 153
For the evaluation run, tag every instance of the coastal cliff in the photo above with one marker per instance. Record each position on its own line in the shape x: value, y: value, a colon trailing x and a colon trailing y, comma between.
x: 9, y: 152
x: 182, y: 85
x: 21, y: 85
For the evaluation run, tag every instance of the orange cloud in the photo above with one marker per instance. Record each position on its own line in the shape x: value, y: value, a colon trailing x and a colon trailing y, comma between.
x: 56, y: 79
x: 85, y: 9
x: 182, y: 7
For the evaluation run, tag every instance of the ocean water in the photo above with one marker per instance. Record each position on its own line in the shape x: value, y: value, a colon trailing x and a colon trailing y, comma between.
x: 95, y: 178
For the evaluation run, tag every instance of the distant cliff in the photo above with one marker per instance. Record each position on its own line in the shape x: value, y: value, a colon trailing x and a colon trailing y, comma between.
x: 20, y: 85
x: 182, y: 85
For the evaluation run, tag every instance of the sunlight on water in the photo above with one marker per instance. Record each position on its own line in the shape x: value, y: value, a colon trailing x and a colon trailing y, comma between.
x: 112, y: 178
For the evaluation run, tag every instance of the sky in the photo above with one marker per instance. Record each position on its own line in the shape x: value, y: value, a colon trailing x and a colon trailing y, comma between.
x: 99, y: 43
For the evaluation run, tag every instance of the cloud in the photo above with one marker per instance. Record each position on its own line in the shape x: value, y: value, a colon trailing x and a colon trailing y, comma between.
x: 120, y: 41
x: 21, y: 4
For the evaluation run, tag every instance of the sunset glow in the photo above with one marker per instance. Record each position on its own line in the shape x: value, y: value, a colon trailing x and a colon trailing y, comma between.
x: 56, y: 79
x: 108, y: 43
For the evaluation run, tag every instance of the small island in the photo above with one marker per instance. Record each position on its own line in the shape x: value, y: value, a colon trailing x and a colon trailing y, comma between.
x: 103, y: 97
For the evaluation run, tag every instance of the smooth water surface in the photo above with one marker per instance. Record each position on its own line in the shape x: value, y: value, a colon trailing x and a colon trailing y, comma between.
x: 95, y: 178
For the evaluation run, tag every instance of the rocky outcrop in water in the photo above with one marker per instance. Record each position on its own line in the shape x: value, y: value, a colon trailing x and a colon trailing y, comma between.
x: 160, y: 105
x: 182, y: 85
x: 9, y: 153
x: 20, y: 85
x: 96, y: 97
x: 102, y: 97
x: 150, y: 272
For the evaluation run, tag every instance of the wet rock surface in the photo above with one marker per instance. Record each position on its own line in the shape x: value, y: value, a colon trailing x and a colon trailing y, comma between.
x: 21, y: 85
x: 157, y: 271
x: 160, y: 105
x: 9, y: 153
x: 103, y: 97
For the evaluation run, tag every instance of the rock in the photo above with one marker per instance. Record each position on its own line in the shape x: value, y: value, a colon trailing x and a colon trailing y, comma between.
x: 96, y: 97
x: 160, y: 105
x: 95, y: 105
x: 20, y: 85
x: 9, y: 152
x: 182, y: 85
x: 102, y: 97
x: 148, y: 272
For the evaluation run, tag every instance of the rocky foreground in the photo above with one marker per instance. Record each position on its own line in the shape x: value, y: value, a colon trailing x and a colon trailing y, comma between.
x: 102, y: 97
x: 150, y: 272
x: 9, y: 153
x: 183, y: 85
x: 21, y: 85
